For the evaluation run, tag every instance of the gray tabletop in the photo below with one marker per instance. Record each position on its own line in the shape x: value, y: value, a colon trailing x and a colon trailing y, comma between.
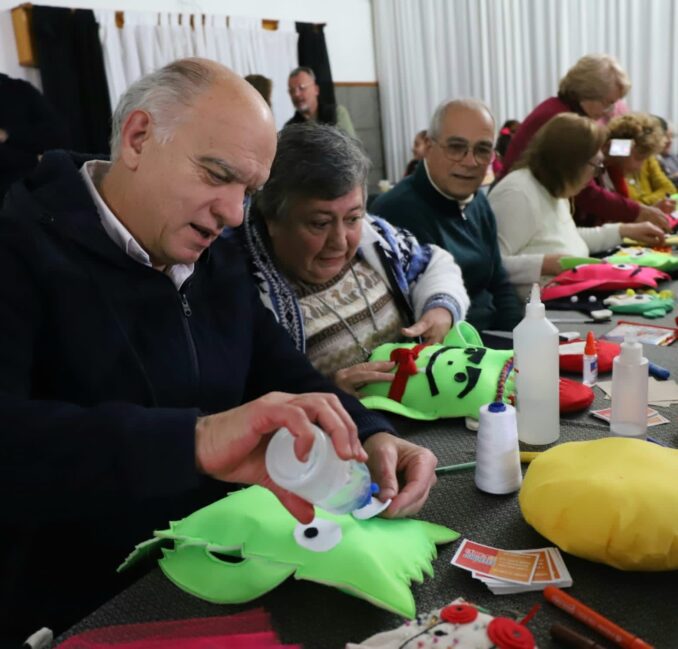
x: 322, y: 617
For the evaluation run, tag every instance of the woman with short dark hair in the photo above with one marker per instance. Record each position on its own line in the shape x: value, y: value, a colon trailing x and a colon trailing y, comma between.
x: 340, y: 281
x: 532, y: 204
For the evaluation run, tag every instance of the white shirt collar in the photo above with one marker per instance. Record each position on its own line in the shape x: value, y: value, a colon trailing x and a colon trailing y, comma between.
x: 92, y: 173
x: 462, y: 202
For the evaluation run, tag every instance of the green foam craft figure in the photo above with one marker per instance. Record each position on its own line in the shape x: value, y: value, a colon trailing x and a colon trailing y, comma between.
x: 452, y: 379
x: 646, y: 257
x: 649, y: 304
x: 246, y: 544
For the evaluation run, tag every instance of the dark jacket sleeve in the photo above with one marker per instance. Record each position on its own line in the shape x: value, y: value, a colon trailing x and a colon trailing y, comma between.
x: 59, y: 459
x: 277, y: 365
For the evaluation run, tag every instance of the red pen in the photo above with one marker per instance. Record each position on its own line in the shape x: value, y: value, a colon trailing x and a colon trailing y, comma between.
x: 588, y: 616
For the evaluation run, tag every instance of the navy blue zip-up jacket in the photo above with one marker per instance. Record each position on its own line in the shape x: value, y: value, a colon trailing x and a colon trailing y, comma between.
x: 104, y: 369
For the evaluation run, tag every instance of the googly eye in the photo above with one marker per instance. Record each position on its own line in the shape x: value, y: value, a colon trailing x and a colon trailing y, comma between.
x: 320, y: 535
x: 592, y: 298
x: 623, y: 266
x: 574, y: 299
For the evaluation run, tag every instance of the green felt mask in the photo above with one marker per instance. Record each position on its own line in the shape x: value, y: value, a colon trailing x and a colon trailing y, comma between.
x: 450, y: 380
x: 649, y: 304
x: 645, y: 257
x: 244, y: 545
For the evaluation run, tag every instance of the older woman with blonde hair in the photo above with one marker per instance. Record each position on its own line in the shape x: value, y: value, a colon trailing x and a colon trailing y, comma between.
x: 590, y: 88
x: 339, y: 280
x: 638, y: 175
x: 533, y: 203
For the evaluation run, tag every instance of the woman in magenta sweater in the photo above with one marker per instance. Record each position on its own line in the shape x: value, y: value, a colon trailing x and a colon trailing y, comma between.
x: 590, y: 88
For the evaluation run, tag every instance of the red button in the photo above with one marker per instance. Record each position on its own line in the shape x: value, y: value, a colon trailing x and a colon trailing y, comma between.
x: 459, y: 613
x: 508, y: 634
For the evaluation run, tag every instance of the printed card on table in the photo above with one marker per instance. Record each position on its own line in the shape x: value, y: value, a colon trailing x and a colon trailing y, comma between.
x: 653, y: 417
x: 485, y: 560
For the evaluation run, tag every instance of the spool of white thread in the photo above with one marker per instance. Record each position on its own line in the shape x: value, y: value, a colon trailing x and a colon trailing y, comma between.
x: 497, y: 451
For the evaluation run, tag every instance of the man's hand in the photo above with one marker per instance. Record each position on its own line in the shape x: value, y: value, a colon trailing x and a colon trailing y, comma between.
x: 395, y: 462
x: 351, y: 379
x: 231, y: 445
x: 646, y: 233
x: 3, y: 135
x: 433, y: 326
x: 653, y: 215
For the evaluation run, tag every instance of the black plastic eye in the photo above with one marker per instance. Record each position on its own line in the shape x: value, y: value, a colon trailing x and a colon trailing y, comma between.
x: 460, y: 377
x: 311, y: 532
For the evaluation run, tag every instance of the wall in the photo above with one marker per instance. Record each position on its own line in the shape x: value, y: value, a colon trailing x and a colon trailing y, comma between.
x: 349, y: 26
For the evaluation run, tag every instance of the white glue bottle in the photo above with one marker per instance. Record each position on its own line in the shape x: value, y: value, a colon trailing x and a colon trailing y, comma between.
x: 629, y: 391
x: 535, y: 345
x: 336, y: 485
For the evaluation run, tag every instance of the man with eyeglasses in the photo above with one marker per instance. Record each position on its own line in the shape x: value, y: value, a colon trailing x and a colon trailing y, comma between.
x: 304, y: 93
x: 440, y: 203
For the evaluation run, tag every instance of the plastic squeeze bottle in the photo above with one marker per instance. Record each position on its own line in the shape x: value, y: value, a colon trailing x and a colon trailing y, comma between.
x: 535, y: 345
x: 629, y: 391
x: 338, y: 486
x: 590, y: 360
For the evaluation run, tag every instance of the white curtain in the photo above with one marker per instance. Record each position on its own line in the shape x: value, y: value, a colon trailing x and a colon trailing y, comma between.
x: 511, y: 54
x: 150, y: 40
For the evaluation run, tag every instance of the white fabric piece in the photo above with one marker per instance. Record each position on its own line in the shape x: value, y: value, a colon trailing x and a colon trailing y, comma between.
x: 511, y: 55
x: 532, y: 223
x: 150, y: 40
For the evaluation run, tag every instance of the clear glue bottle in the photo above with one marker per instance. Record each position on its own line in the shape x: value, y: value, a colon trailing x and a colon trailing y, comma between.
x: 629, y: 391
x: 535, y: 345
x: 590, y: 375
x: 336, y: 485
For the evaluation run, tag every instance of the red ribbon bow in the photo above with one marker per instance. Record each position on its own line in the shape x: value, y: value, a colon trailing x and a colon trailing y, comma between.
x: 405, y: 360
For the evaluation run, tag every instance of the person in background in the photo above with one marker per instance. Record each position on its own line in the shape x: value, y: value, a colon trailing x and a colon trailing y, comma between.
x: 29, y: 126
x: 532, y: 204
x: 304, y: 93
x: 440, y: 204
x: 591, y: 87
x: 140, y: 375
x: 639, y: 175
x: 506, y: 132
x: 667, y: 159
x: 339, y: 280
x: 263, y: 84
x: 418, y: 149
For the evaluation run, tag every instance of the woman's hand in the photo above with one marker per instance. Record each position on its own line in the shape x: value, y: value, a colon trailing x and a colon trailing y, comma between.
x: 551, y: 264
x: 645, y: 232
x: 351, y: 379
x: 433, y: 326
x: 653, y: 215
x: 666, y: 205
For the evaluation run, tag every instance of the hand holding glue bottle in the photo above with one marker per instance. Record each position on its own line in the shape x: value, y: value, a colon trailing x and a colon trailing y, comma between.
x: 335, y: 485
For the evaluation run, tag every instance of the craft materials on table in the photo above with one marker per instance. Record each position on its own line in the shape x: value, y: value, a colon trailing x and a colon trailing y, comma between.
x: 458, y: 625
x: 263, y: 544
x: 647, y: 334
x: 567, y: 637
x: 628, y: 417
x: 649, y: 304
x: 590, y: 361
x: 535, y: 343
x: 506, y: 572
x: 611, y: 500
x: 594, y: 620
x: 659, y: 393
x: 653, y: 417
x: 497, y: 452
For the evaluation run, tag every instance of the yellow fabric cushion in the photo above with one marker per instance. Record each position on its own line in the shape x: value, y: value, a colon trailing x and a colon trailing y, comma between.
x: 612, y: 500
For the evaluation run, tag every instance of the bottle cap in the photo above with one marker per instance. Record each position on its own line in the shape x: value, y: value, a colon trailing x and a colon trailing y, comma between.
x: 590, y: 348
x: 497, y: 406
x: 631, y: 351
x: 535, y: 308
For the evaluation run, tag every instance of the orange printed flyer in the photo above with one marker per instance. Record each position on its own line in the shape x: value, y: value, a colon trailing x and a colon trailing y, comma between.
x: 516, y: 567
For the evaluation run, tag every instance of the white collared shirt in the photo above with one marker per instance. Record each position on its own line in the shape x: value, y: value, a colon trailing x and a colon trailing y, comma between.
x: 92, y: 172
x: 462, y: 202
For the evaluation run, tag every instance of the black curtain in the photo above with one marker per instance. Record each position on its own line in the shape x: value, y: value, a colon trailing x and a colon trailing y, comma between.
x: 72, y: 70
x: 312, y: 52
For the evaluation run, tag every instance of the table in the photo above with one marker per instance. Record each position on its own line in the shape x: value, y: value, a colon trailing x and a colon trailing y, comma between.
x: 320, y: 617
